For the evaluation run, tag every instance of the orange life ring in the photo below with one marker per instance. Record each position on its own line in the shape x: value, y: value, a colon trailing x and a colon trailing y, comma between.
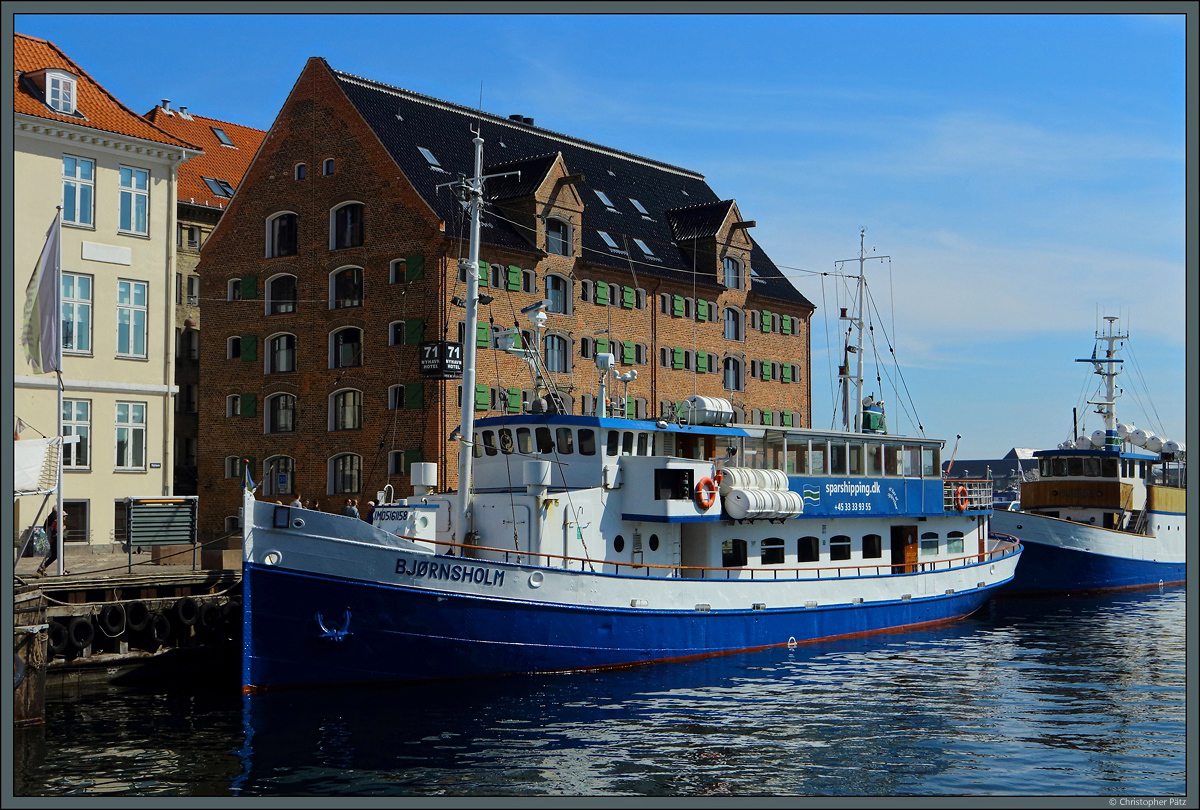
x: 706, y: 493
x: 960, y: 498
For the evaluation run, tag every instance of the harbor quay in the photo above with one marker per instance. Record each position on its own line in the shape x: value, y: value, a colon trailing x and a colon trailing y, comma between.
x: 125, y: 617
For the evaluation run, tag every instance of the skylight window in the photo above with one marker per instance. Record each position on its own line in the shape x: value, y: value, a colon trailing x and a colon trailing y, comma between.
x: 608, y: 240
x: 641, y: 208
x: 604, y: 199
x: 644, y: 247
x: 218, y: 187
x: 221, y: 136
x: 429, y: 157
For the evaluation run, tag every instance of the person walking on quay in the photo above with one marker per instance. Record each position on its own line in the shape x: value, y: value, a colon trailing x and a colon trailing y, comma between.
x: 369, y: 512
x: 297, y: 503
x: 348, y: 510
x: 51, y: 527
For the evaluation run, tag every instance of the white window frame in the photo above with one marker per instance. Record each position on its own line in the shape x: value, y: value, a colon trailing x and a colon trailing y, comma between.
x: 134, y: 432
x: 732, y: 271
x: 80, y: 187
x: 77, y: 313
x: 566, y: 294
x: 334, y: 359
x: 271, y: 470
x: 229, y: 344
x: 268, y: 294
x: 269, y: 353
x: 564, y: 355
x: 233, y: 406
x: 563, y: 239
x: 333, y: 214
x: 133, y: 200
x: 60, y: 92
x: 269, y: 410
x: 271, y: 246
x: 729, y: 366
x: 739, y: 325
x: 127, y: 308
x: 77, y: 421
x: 334, y: 485
x: 334, y: 301
x: 335, y: 407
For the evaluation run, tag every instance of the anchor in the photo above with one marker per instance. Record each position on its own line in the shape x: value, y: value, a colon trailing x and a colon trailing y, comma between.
x: 338, y: 634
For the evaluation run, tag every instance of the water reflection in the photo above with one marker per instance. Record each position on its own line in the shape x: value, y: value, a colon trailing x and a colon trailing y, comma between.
x: 1029, y: 697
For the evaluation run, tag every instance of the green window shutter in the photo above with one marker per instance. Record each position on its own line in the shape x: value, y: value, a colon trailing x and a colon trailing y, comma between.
x: 628, y: 297
x: 701, y: 309
x: 482, y: 399
x: 514, y: 400
x: 414, y: 395
x: 785, y: 418
x: 677, y: 357
x: 249, y: 348
x: 483, y: 334
x: 249, y: 286
x: 514, y: 278
x: 785, y: 374
x: 484, y: 271
x: 601, y: 345
x: 677, y: 306
x: 414, y: 331
x: 764, y: 369
x: 601, y: 296
x: 414, y: 267
x: 701, y: 362
x: 247, y: 405
x: 786, y: 327
x: 627, y: 352
x: 764, y: 322
x: 411, y: 456
x: 630, y: 408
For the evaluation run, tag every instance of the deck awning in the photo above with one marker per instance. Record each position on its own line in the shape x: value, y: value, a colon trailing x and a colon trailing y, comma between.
x: 35, y: 465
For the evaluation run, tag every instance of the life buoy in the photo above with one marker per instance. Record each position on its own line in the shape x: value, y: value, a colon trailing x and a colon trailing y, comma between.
x: 706, y: 493
x: 960, y: 498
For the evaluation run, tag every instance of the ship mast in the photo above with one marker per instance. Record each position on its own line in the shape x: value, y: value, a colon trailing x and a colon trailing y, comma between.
x: 855, y: 322
x: 1107, y: 367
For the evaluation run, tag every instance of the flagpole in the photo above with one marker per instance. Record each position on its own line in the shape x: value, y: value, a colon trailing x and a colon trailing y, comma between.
x: 60, y: 568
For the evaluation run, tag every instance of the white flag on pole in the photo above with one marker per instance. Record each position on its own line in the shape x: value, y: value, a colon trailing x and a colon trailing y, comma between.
x: 41, y: 334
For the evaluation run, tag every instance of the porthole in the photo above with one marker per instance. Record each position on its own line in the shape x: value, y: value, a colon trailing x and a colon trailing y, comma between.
x: 272, y: 558
x: 618, y: 544
x: 298, y: 523
x: 535, y: 579
x: 654, y: 542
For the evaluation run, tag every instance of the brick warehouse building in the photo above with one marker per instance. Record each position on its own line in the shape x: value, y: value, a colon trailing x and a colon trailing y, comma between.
x: 339, y: 253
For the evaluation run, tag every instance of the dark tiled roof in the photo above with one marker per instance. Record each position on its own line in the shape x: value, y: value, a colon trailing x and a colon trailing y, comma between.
x: 404, y: 120
x: 698, y: 221
x: 532, y: 171
x: 219, y: 162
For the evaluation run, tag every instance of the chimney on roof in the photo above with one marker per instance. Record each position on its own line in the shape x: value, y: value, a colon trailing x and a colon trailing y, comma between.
x: 183, y: 110
x: 517, y: 117
x: 166, y: 105
x: 527, y: 121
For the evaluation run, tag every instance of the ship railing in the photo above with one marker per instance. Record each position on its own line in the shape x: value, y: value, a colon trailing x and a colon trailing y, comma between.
x: 1005, y: 545
x: 967, y: 494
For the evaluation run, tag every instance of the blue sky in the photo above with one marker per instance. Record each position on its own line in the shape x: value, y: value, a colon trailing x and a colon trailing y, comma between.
x: 1024, y: 173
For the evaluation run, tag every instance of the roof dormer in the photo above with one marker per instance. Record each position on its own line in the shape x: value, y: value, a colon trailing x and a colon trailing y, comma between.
x: 57, y: 88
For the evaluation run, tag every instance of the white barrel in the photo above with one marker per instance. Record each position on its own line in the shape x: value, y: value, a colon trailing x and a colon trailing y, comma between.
x: 736, y: 478
x: 1083, y: 442
x: 1123, y: 430
x: 1154, y: 444
x: 776, y: 479
x: 746, y: 503
x: 1099, y: 437
x: 793, y: 504
x: 1140, y: 436
x: 423, y: 474
x: 1171, y: 447
x: 708, y: 410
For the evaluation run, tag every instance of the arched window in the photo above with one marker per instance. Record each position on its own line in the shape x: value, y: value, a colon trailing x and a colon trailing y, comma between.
x: 558, y: 293
x: 733, y: 273
x: 345, y: 410
x: 558, y: 356
x: 282, y: 230
x: 346, y: 226
x: 233, y: 289
x: 954, y: 543
x: 233, y: 467
x: 809, y: 549
x: 345, y: 474
x: 772, y: 551
x: 281, y: 354
x: 346, y: 348
x: 278, y: 472
x: 732, y: 374
x: 233, y: 348
x: 558, y: 237
x: 233, y: 405
x: 327, y: 166
x: 346, y: 288
x: 281, y: 295
x: 281, y: 413
x: 734, y: 323
x: 299, y: 171
x: 929, y: 544
x: 839, y: 547
x: 872, y: 546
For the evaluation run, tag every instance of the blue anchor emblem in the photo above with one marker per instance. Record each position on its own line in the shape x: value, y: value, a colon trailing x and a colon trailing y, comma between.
x: 335, y: 635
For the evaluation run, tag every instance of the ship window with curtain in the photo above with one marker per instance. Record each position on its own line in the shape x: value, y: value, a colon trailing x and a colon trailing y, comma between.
x: 772, y: 551
x: 954, y: 543
x: 839, y: 547
x: 929, y: 544
x: 872, y: 546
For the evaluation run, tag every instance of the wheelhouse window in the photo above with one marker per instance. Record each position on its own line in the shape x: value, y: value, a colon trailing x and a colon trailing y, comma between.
x: 347, y: 288
x: 346, y: 226
x: 281, y: 354
x: 347, y: 348
x: 558, y: 237
x: 281, y: 295
x: 282, y: 231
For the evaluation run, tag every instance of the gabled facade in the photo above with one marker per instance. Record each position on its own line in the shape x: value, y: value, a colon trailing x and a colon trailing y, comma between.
x: 206, y: 184
x: 340, y: 253
x: 114, y: 174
